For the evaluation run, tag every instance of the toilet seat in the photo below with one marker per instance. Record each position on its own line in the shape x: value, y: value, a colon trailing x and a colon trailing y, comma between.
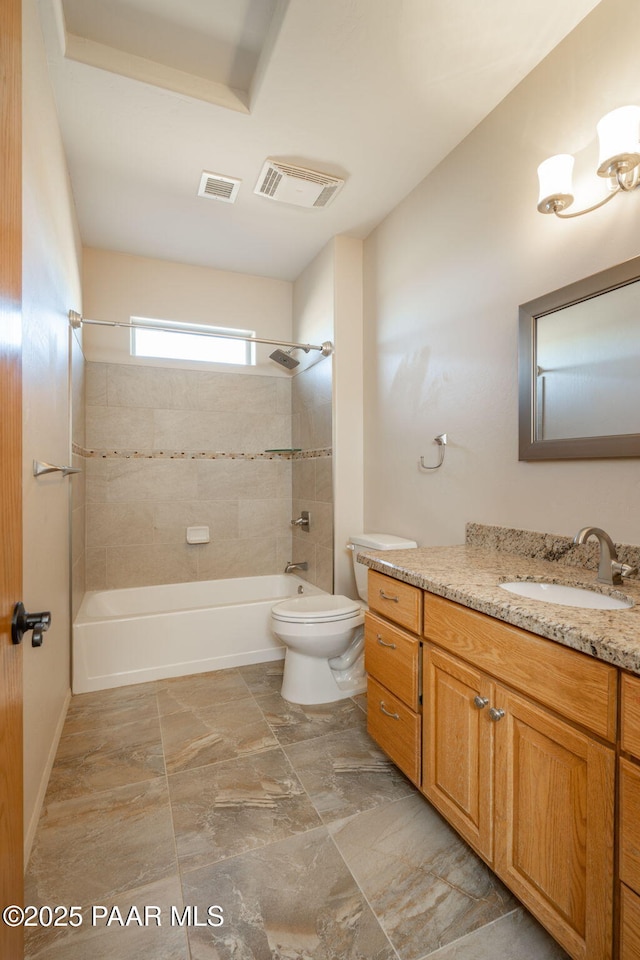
x: 316, y: 609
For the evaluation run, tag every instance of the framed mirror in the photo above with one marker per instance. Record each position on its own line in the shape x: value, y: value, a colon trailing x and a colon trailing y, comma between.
x: 579, y: 369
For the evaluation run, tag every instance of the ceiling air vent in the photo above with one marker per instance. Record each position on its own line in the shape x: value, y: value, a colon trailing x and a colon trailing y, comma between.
x: 297, y: 185
x: 216, y: 187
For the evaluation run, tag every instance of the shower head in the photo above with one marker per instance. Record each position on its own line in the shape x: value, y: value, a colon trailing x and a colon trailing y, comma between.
x: 284, y: 358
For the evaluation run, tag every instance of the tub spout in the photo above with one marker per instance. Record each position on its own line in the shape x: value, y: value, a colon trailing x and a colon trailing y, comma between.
x: 296, y: 566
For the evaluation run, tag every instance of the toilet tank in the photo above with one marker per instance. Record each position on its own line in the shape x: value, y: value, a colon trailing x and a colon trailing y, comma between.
x: 373, y: 541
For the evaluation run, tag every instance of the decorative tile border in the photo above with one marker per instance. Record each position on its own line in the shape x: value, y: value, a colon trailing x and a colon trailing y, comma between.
x: 198, y: 454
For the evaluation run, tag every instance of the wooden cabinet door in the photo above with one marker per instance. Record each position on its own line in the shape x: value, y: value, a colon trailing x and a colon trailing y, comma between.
x: 554, y: 814
x: 458, y: 747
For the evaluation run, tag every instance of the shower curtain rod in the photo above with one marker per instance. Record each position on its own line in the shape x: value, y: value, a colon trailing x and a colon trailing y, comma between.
x: 77, y: 320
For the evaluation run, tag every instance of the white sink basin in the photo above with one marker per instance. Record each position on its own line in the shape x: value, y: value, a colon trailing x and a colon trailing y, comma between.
x: 568, y: 596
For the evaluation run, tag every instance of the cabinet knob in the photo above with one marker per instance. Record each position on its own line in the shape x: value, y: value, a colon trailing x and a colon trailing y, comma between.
x: 394, y: 716
x: 496, y: 714
x: 383, y: 643
x: 480, y: 702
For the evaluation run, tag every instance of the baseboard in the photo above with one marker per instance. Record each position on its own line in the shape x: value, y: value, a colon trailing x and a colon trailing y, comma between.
x: 32, y: 826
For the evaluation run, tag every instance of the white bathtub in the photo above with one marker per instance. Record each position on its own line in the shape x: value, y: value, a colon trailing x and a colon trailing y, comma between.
x: 150, y: 633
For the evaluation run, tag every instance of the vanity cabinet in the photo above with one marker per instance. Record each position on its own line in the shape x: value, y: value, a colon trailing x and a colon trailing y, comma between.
x: 629, y: 796
x: 393, y: 663
x: 514, y: 758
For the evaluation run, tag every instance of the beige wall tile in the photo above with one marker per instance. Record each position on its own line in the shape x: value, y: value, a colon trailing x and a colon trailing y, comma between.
x: 284, y: 552
x: 238, y: 558
x: 263, y: 518
x: 117, y: 524
x: 238, y: 392
x: 97, y: 472
x: 283, y: 396
x: 96, y: 568
x: 141, y: 566
x: 324, y: 568
x: 225, y: 431
x: 242, y: 479
x: 321, y: 526
x: 78, y: 584
x: 140, y: 479
x: 171, y: 519
x: 136, y: 386
x: 324, y: 479
x: 303, y: 474
x: 119, y: 428
x: 322, y: 426
x: 96, y: 384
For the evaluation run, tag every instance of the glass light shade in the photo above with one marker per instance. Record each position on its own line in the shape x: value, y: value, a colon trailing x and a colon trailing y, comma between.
x: 619, y: 136
x: 555, y: 175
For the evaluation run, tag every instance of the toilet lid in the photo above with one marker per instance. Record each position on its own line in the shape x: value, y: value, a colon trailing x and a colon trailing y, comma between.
x: 319, y: 608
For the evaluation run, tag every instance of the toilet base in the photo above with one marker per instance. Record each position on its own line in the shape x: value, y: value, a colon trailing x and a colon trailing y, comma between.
x: 308, y: 680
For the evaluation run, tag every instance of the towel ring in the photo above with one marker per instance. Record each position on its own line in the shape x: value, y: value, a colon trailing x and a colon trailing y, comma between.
x: 441, y: 440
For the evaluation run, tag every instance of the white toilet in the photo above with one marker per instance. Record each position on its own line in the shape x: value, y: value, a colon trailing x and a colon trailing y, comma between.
x: 324, y: 634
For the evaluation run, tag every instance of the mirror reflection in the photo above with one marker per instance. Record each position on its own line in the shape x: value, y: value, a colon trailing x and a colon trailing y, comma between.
x: 588, y: 367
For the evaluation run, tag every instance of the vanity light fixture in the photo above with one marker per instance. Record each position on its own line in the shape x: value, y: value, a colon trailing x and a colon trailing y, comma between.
x: 619, y: 163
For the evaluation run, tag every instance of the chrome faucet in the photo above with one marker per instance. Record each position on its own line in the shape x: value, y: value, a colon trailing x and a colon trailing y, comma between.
x: 609, y: 570
x: 296, y: 566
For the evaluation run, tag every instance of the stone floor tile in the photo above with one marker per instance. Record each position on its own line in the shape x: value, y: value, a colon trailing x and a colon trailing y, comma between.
x: 225, y: 808
x: 423, y: 882
x: 110, y: 938
x: 203, y: 735
x: 105, y: 707
x: 200, y: 690
x: 263, y: 678
x: 292, y: 899
x: 102, y: 844
x: 514, y: 937
x: 292, y: 722
x: 105, y: 757
x: 346, y: 773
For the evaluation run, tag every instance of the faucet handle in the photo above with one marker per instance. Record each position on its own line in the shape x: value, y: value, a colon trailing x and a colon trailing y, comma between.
x: 624, y: 569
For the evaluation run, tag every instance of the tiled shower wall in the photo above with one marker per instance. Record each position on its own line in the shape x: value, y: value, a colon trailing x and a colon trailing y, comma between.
x: 168, y: 449
x: 311, y: 406
x: 78, y: 481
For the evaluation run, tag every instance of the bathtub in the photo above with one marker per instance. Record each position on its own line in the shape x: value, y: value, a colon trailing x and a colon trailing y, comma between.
x: 151, y: 633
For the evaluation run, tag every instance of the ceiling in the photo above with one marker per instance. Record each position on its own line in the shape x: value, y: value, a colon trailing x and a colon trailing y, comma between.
x: 151, y: 93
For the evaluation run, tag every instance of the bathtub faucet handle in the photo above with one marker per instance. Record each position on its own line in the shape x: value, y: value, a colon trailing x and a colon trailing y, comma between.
x: 303, y: 521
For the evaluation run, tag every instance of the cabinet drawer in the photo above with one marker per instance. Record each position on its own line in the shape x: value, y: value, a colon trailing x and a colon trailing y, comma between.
x: 629, y: 924
x: 397, y: 730
x: 396, y: 600
x: 577, y: 686
x: 630, y: 715
x: 392, y: 657
x: 630, y: 824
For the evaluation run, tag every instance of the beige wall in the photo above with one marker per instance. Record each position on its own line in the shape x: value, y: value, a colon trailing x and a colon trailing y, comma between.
x: 327, y: 305
x: 50, y: 286
x: 444, y: 275
x: 118, y: 286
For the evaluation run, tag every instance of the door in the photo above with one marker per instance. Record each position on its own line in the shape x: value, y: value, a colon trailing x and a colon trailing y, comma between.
x: 11, y: 830
x: 457, y: 766
x: 554, y: 824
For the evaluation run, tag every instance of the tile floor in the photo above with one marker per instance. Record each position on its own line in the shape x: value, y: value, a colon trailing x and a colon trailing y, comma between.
x: 212, y: 791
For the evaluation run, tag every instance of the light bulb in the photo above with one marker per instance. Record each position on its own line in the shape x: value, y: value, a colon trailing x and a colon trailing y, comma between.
x: 619, y: 136
x: 555, y: 175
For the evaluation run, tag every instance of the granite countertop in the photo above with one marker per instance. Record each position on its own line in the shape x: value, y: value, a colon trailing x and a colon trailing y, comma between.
x: 470, y: 574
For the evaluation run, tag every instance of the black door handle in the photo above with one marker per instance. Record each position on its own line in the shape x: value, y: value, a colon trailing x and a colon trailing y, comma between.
x: 22, y: 622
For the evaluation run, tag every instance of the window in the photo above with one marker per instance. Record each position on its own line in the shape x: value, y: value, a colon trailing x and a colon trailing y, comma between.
x: 185, y: 341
